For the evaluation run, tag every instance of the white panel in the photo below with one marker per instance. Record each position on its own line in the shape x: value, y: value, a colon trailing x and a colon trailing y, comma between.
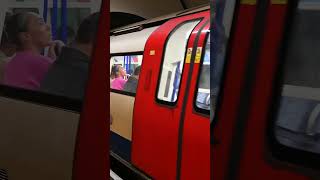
x: 36, y: 142
x: 114, y: 176
x: 301, y: 92
x: 131, y: 42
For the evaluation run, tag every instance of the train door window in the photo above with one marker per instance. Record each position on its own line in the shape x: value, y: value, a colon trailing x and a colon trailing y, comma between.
x: 202, y: 102
x: 298, y: 119
x: 173, y: 62
x: 124, y: 73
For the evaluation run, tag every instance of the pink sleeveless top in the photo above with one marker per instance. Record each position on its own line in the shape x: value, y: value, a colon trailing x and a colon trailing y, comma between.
x: 26, y: 70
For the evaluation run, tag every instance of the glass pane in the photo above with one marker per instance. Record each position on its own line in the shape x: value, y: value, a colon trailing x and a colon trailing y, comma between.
x: 45, y: 64
x: 203, y: 95
x: 173, y: 62
x: 75, y: 16
x: 37, y: 141
x: 124, y: 72
x: 221, y: 17
x: 298, y: 121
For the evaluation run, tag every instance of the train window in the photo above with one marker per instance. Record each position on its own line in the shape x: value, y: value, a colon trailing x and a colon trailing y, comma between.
x: 298, y: 118
x: 75, y: 15
x: 203, y: 91
x: 40, y: 65
x: 220, y: 32
x: 124, y: 73
x: 173, y: 61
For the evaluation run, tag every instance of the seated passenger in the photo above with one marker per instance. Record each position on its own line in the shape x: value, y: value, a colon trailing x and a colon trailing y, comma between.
x: 119, y: 81
x: 69, y: 73
x: 131, y: 85
x: 112, y: 74
x: 7, y: 49
x: 31, y: 35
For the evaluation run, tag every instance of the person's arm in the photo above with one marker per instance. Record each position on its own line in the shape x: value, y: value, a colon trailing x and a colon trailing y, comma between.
x: 55, y: 49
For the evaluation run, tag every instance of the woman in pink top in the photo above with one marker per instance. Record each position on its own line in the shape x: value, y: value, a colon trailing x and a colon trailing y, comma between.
x: 31, y: 35
x: 118, y: 82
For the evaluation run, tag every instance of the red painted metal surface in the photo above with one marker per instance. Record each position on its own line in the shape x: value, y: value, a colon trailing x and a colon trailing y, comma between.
x: 233, y: 82
x: 196, y: 134
x: 254, y: 161
x: 92, y: 145
x: 155, y: 126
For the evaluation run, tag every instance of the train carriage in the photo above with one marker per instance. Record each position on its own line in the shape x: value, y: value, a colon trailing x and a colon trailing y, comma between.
x: 156, y: 127
x: 266, y: 123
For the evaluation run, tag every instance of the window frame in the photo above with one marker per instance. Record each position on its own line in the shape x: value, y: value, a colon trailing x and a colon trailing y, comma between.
x: 195, y: 107
x: 126, y: 54
x: 167, y: 103
x: 41, y: 98
x: 280, y: 151
x: 38, y: 97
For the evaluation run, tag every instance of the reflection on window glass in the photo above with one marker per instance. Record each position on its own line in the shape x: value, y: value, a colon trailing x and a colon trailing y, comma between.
x: 124, y: 72
x: 41, y: 62
x: 37, y: 137
x: 221, y: 17
x: 173, y: 62
x: 298, y: 120
x: 203, y: 95
x: 75, y: 16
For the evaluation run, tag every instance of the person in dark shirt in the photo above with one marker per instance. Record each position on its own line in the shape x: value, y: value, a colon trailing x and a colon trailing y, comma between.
x: 131, y: 85
x: 69, y: 74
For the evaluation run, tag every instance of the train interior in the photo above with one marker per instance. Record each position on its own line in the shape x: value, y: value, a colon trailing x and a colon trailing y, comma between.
x: 38, y: 140
x: 298, y: 117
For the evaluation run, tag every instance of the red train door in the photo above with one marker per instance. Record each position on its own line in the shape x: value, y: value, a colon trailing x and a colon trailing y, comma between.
x: 274, y: 133
x: 91, y: 158
x: 227, y: 101
x: 281, y: 126
x: 159, y: 114
x: 195, y: 163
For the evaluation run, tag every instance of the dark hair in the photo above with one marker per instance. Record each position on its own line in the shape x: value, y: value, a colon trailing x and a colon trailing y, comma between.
x: 16, y: 24
x: 5, y: 36
x: 137, y: 70
x: 115, y: 68
x: 88, y: 29
x: 70, y: 32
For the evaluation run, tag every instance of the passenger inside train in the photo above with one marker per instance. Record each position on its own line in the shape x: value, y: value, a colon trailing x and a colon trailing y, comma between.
x: 69, y: 73
x: 171, y: 90
x: 43, y: 62
x: 119, y: 80
x: 7, y: 49
x: 124, y: 73
x: 31, y: 35
x: 131, y: 84
x: 40, y: 143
